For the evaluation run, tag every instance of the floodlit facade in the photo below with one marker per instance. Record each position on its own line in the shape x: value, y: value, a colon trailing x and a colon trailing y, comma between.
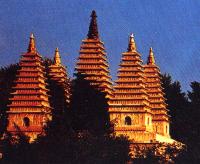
x: 29, y: 109
x: 58, y: 73
x: 130, y: 108
x: 156, y: 96
x: 92, y: 60
x: 137, y: 108
x: 136, y: 101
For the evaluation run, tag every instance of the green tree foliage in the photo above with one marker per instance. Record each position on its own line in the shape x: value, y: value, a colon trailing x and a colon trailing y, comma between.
x: 89, y: 107
x: 177, y: 104
x: 194, y: 96
x: 7, y: 76
x: 67, y: 141
x: 147, y: 155
x: 56, y: 92
x: 193, y: 117
x: 185, y: 120
x: 158, y: 153
x: 16, y: 149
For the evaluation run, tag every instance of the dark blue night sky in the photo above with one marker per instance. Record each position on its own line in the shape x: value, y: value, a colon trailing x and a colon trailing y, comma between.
x: 171, y: 27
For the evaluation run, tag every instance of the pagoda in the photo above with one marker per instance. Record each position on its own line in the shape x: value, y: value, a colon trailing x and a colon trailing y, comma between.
x: 156, y: 96
x: 58, y: 74
x: 29, y: 108
x: 92, y: 60
x: 130, y: 108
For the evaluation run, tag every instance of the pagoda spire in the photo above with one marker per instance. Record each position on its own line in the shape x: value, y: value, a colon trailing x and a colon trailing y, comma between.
x: 130, y: 99
x: 29, y: 106
x: 151, y: 59
x: 131, y: 45
x: 92, y: 60
x: 57, y: 59
x: 31, y: 46
x: 160, y: 121
x: 93, y: 29
x: 58, y: 74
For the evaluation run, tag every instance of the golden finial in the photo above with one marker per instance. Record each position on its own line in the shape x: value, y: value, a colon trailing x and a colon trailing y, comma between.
x: 131, y: 45
x: 32, y: 46
x: 151, y: 59
x: 57, y: 59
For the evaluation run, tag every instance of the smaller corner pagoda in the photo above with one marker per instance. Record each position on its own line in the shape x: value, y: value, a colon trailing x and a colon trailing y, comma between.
x: 156, y: 96
x: 29, y: 108
x: 129, y: 108
x: 58, y: 74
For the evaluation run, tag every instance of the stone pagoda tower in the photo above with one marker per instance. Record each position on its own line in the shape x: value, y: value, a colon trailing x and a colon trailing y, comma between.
x: 129, y: 108
x: 29, y: 107
x: 92, y: 60
x: 156, y: 97
x: 58, y: 73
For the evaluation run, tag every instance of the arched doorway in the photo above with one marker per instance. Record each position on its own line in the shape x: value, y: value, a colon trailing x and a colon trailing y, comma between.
x: 26, y: 121
x: 127, y: 120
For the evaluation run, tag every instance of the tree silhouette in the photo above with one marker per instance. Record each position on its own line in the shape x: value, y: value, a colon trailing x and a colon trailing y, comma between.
x: 7, y: 76
x: 185, y: 118
x: 193, y: 114
x: 194, y: 96
x: 88, y: 107
x: 78, y: 134
x: 57, y: 93
x: 16, y: 149
x: 177, y: 104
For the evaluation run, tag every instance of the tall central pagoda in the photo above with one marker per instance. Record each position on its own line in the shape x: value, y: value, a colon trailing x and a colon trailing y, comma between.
x: 92, y: 60
x: 29, y: 109
x: 156, y: 96
x: 130, y: 108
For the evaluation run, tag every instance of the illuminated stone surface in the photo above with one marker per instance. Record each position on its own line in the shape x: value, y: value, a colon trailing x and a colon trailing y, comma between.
x: 156, y: 96
x: 29, y: 108
x: 58, y: 73
x: 92, y: 60
x: 137, y: 107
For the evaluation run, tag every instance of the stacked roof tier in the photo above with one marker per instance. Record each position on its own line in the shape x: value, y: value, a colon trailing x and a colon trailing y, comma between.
x: 156, y: 96
x: 58, y: 74
x: 92, y: 60
x: 129, y: 108
x: 29, y: 108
